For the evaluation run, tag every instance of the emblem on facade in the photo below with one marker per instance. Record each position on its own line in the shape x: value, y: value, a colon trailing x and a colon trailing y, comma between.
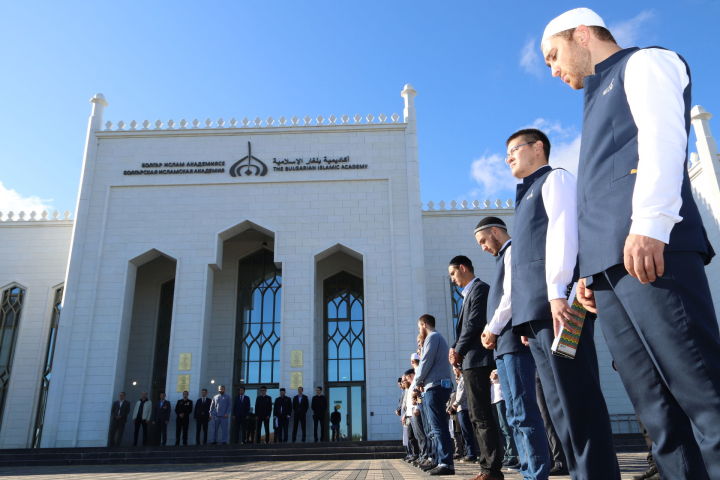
x: 248, y: 165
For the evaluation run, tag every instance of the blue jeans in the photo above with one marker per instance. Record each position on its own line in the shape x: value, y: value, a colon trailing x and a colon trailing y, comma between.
x: 434, y: 403
x: 463, y: 418
x: 511, y: 454
x: 517, y: 380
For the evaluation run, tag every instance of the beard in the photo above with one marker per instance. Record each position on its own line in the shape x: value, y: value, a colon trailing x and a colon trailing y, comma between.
x: 580, y: 66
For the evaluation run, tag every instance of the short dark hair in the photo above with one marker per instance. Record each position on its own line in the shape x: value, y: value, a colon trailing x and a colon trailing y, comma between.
x: 319, y: 388
x: 462, y: 260
x: 204, y: 390
x: 241, y: 386
x: 427, y: 319
x: 532, y: 135
x: 410, y: 371
x: 282, y: 389
x: 601, y: 33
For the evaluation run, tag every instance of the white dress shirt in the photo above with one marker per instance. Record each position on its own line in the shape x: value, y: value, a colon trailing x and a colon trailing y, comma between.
x: 654, y: 84
x: 559, y: 194
x: 503, y: 313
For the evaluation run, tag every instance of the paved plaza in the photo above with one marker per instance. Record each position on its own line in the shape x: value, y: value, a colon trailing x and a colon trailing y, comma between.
x: 631, y: 463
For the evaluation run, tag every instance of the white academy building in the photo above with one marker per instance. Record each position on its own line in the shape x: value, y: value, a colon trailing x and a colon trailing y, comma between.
x: 277, y: 252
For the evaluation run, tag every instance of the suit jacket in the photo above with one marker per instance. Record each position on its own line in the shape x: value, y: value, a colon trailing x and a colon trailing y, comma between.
x: 300, y: 405
x: 184, y: 406
x: 118, y: 411
x: 221, y: 405
x: 241, y: 408
x: 473, y: 318
x: 283, y: 407
x: 319, y: 405
x: 162, y: 412
x: 202, y: 409
x: 147, y: 410
x: 263, y: 406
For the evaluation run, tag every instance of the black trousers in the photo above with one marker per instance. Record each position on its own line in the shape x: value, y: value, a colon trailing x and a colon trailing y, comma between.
x: 201, y: 425
x: 162, y: 430
x: 487, y: 433
x: 138, y: 425
x: 281, y: 433
x: 576, y: 403
x: 319, y: 422
x: 117, y: 429
x: 413, y: 445
x: 665, y: 341
x: 302, y: 420
x: 258, y: 429
x: 239, y: 430
x: 556, y: 452
x: 181, y: 427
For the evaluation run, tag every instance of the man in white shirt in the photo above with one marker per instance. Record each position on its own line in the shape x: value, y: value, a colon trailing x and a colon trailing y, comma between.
x: 515, y: 364
x: 642, y: 243
x: 543, y: 262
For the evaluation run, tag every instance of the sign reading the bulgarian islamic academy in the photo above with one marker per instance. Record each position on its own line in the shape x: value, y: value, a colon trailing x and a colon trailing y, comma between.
x: 248, y: 166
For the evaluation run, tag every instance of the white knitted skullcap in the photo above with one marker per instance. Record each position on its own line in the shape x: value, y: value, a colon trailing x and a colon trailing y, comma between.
x: 572, y: 19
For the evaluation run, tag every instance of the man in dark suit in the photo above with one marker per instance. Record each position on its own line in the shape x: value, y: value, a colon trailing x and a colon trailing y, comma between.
x: 241, y: 408
x: 161, y: 417
x: 282, y: 412
x: 476, y: 363
x: 202, y: 416
x: 300, y: 406
x: 263, y: 410
x: 119, y: 413
x: 183, y: 409
x: 319, y: 407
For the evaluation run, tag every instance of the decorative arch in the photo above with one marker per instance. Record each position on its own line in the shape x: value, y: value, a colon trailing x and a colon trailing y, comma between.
x: 12, y: 297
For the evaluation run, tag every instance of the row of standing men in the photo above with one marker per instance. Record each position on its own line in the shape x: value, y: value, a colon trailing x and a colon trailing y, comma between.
x: 628, y: 234
x: 152, y: 418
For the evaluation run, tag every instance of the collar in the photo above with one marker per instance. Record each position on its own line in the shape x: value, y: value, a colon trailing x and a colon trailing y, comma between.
x: 537, y: 173
x: 504, y: 247
x: 467, y: 288
x: 613, y: 59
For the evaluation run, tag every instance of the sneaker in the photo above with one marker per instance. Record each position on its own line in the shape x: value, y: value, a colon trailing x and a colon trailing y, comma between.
x: 427, y: 467
x: 558, y: 469
x: 512, y: 465
x: 650, y: 474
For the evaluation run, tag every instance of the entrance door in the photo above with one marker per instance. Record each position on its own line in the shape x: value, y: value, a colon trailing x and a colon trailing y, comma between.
x: 349, y: 399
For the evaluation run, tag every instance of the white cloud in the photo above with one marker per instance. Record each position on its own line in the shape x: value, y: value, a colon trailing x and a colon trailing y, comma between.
x: 627, y: 32
x: 530, y: 59
x: 566, y: 155
x: 492, y: 175
x: 12, y: 201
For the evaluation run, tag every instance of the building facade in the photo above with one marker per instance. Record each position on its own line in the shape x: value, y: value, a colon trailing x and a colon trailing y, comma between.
x: 276, y: 252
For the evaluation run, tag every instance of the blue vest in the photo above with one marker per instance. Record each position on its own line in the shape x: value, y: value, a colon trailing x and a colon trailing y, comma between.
x: 529, y: 287
x: 606, y: 179
x: 507, y: 341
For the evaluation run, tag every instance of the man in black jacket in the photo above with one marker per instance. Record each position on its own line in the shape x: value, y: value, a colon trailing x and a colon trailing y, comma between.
x: 476, y: 363
x: 240, y: 409
x: 263, y: 410
x: 282, y: 412
x: 183, y: 409
x: 119, y: 413
x: 300, y: 406
x: 319, y: 408
x: 202, y: 416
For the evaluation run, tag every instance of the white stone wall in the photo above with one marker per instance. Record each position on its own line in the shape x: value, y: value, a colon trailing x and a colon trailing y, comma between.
x: 33, y: 255
x: 371, y: 211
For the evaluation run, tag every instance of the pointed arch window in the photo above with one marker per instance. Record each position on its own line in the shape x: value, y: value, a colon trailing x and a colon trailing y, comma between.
x: 10, y: 310
x: 456, y: 301
x: 257, y: 349
x: 344, y: 329
x: 47, y: 367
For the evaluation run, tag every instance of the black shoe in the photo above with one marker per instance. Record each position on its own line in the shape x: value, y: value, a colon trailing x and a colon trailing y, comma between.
x: 558, y: 469
x: 428, y: 466
x: 442, y: 470
x: 513, y: 465
x: 649, y: 474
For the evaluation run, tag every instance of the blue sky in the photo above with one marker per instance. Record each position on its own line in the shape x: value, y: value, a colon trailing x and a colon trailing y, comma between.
x: 475, y: 64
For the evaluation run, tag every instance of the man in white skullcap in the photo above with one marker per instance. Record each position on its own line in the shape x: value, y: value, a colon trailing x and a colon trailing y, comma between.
x: 642, y: 244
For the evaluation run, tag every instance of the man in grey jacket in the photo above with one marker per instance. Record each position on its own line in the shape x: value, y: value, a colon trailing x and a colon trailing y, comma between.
x: 433, y: 375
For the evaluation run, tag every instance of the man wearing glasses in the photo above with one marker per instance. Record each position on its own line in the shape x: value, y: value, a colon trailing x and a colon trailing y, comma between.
x: 544, y: 254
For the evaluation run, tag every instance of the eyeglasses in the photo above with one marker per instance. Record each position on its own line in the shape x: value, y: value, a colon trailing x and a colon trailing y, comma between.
x: 515, y: 149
